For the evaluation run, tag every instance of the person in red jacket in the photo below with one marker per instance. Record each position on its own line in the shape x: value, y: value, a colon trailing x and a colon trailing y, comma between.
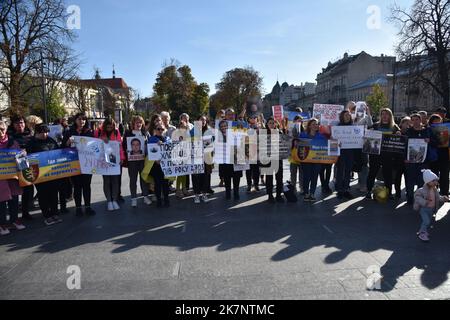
x: 111, y: 184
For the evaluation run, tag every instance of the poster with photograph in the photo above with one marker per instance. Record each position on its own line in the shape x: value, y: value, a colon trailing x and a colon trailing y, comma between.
x: 56, y: 132
x: 136, y: 148
x: 372, y: 142
x: 154, y: 152
x: 417, y: 150
x: 350, y: 137
x: 278, y: 113
x: 334, y: 148
x: 328, y: 114
x: 97, y: 157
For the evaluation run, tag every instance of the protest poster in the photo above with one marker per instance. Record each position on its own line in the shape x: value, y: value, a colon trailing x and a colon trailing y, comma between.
x: 181, y: 159
x: 334, y: 148
x: 327, y: 114
x: 313, y: 151
x: 50, y: 165
x: 417, y: 150
x: 154, y: 152
x: 278, y: 113
x: 360, y: 111
x: 394, y: 144
x: 372, y: 142
x: 56, y: 132
x: 441, y: 131
x: 97, y: 157
x: 135, y: 148
x: 285, y: 146
x: 8, y: 165
x: 350, y: 137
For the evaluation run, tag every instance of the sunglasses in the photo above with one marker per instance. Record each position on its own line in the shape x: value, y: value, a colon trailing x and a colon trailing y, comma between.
x: 159, y: 129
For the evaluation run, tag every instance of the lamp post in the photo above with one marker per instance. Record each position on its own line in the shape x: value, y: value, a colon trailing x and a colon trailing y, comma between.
x: 394, y: 83
x: 44, y: 100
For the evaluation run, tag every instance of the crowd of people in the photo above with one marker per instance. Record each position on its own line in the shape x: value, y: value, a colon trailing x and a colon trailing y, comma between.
x: 32, y: 135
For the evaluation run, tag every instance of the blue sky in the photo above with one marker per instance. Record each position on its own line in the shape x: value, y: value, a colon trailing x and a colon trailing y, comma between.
x: 289, y: 39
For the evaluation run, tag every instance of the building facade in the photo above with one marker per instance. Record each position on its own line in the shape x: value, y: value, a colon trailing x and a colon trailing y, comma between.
x: 350, y: 76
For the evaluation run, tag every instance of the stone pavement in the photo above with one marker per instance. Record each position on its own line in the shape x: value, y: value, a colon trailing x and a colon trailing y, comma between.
x: 228, y: 250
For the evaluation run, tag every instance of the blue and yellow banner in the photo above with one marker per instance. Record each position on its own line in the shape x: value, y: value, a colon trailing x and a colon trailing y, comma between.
x: 8, y: 166
x: 312, y: 151
x: 49, y: 166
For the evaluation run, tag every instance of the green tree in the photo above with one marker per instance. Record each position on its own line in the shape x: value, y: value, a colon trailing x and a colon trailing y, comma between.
x: 177, y: 91
x: 54, y: 102
x: 236, y: 87
x: 377, y: 100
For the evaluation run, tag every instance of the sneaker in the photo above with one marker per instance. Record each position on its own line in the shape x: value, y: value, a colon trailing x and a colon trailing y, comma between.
x: 221, y: 184
x: 312, y: 199
x: 197, y: 200
x: 134, y: 203
x: 57, y: 219
x: 257, y: 189
x: 187, y: 193
x: 4, y: 231
x: 147, y: 201
x: 424, y: 237
x: 49, y: 221
x: 249, y: 190
x: 110, y: 206
x: 369, y: 195
x: 307, y: 198
x: 18, y: 226
x: 90, y: 211
x: 78, y: 212
x: 210, y: 191
x: 205, y: 198
x: 115, y: 205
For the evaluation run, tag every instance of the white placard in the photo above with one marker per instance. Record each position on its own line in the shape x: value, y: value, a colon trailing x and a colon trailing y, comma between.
x: 417, y: 150
x: 350, y: 137
x: 97, y: 157
x: 328, y: 114
x: 154, y: 152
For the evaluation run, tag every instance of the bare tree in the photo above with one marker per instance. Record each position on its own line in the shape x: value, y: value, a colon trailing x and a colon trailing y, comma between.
x: 425, y: 41
x: 33, y: 32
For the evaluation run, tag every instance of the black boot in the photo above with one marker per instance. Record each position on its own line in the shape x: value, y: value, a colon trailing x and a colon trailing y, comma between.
x: 78, y: 212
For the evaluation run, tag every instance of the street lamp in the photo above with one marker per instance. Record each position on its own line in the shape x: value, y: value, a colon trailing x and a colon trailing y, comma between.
x: 394, y: 80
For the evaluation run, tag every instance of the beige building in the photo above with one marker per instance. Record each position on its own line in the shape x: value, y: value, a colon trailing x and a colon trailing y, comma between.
x: 344, y: 79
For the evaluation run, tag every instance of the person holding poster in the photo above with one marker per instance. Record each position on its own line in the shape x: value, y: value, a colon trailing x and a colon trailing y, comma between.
x: 18, y: 131
x: 311, y: 171
x: 136, y: 136
x: 9, y: 191
x: 227, y: 170
x: 273, y: 129
x: 441, y: 166
x: 345, y: 163
x: 385, y: 160
x: 252, y: 175
x: 202, y: 182
x: 414, y: 170
x: 82, y: 183
x: 161, y: 184
x: 47, y: 191
x: 362, y: 117
x: 111, y: 184
x: 182, y: 134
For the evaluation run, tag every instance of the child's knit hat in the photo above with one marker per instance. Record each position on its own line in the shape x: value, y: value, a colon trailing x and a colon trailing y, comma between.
x: 429, y: 176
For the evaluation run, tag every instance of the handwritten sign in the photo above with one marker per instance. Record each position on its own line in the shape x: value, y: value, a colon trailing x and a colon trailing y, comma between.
x: 327, y: 114
x: 350, y: 137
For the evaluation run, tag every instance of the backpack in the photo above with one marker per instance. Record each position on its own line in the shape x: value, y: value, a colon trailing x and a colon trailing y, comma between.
x: 289, y: 193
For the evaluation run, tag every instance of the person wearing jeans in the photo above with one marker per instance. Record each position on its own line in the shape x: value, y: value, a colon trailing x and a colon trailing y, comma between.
x: 161, y: 183
x: 82, y: 183
x: 111, y: 184
x: 311, y: 171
